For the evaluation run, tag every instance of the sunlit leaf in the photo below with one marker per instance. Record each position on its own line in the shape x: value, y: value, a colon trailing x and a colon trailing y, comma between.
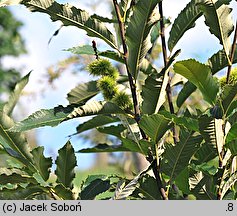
x: 72, y: 16
x: 41, y: 118
x: 185, y: 21
x: 15, y: 95
x: 88, y: 50
x: 82, y: 93
x: 200, y: 75
x: 219, y: 21
x: 137, y: 34
x: 94, y: 108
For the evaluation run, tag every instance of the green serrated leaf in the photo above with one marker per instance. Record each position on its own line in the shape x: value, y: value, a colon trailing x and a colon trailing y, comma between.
x: 14, y: 176
x: 66, y: 163
x: 138, y: 33
x: 82, y: 93
x: 95, y: 188
x: 123, y: 191
x: 219, y: 21
x: 22, y: 193
x: 94, y: 108
x: 187, y: 122
x: 96, y: 121
x: 228, y: 184
x: 200, y: 75
x: 63, y: 193
x: 14, y: 97
x: 126, y: 146
x: 219, y: 61
x: 155, y: 126
x: 182, y: 182
x: 228, y: 95
x: 148, y: 189
x: 14, y: 143
x: 185, y: 21
x: 42, y: 163
x: 150, y: 94
x: 44, y: 117
x: 88, y: 50
x: 212, y: 132
x: 176, y: 158
x: 72, y: 16
x: 232, y: 134
x: 185, y: 92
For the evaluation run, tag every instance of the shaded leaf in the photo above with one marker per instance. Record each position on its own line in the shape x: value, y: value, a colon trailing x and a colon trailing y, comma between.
x: 205, y: 153
x: 139, y: 26
x: 66, y: 163
x: 103, y: 19
x: 42, y: 163
x: 126, y: 146
x: 114, y: 130
x: 200, y: 75
x: 72, y: 16
x: 202, y: 190
x: 185, y: 92
x: 14, y: 176
x: 228, y: 184
x: 82, y: 93
x: 22, y: 193
x: 63, y: 193
x: 176, y: 158
x: 154, y: 90
x: 96, y: 121
x: 95, y: 188
x: 228, y: 95
x: 148, y: 189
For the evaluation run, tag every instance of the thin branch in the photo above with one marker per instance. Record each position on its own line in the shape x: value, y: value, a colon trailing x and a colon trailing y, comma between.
x: 125, y: 56
x: 232, y: 54
x: 165, y: 58
x: 134, y: 97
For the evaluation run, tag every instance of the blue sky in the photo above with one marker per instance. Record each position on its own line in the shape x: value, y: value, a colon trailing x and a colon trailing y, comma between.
x: 38, y: 28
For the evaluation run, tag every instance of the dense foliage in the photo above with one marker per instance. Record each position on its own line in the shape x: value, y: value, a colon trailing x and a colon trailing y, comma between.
x: 191, y: 147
